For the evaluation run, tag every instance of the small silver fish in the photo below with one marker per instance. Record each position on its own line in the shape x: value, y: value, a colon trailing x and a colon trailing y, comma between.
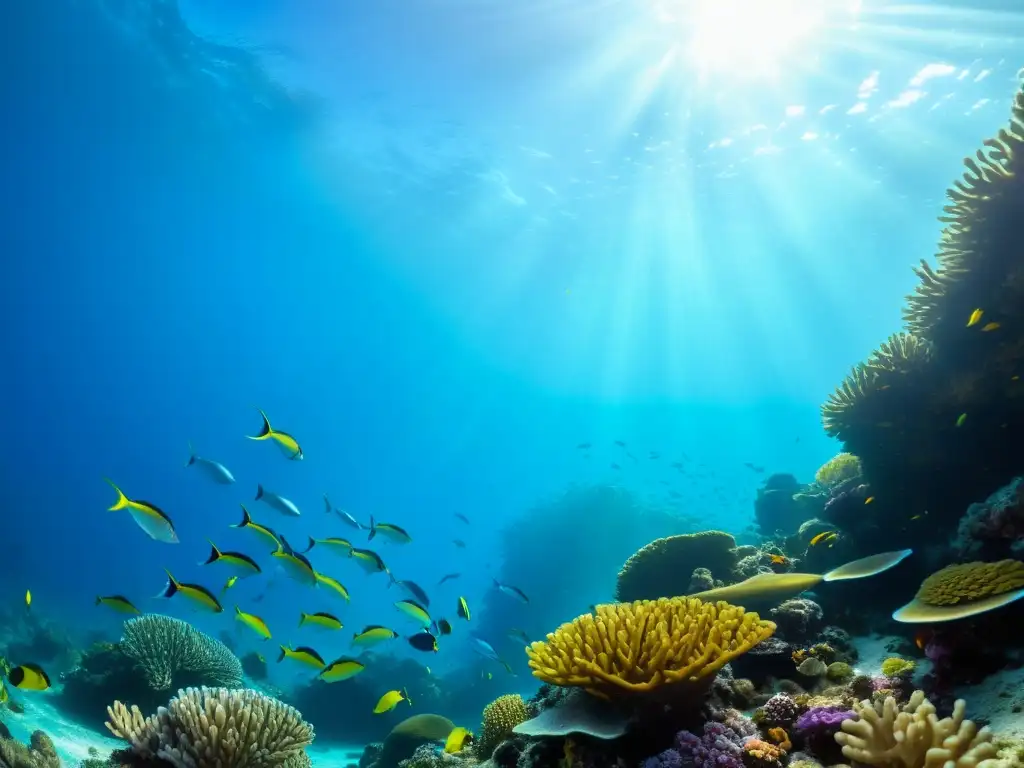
x: 511, y: 591
x: 214, y: 470
x: 275, y: 501
x: 345, y: 516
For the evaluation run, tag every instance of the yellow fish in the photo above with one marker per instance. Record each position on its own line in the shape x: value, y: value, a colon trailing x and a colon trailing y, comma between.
x: 29, y: 677
x: 390, y: 700
x: 320, y: 619
x: 262, y: 531
x: 28, y: 599
x: 388, y: 531
x: 961, y: 419
x: 242, y: 565
x: 253, y: 622
x: 869, y: 499
x: 414, y: 611
x: 341, y: 669
x: 990, y: 327
x: 118, y: 603
x: 337, y: 586
x: 368, y: 560
x: 335, y: 544
x: 462, y: 609
x: 975, y: 317
x: 826, y: 537
x: 148, y: 517
x: 197, y: 593
x: 373, y: 634
x: 457, y: 740
x: 303, y: 654
x: 228, y: 584
x: 297, y: 566
x: 288, y: 444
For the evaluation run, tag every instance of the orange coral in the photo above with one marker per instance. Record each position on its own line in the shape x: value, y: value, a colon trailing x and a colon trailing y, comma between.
x: 761, y: 754
x: 780, y: 738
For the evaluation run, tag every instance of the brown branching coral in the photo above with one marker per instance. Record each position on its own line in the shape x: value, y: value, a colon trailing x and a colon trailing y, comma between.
x: 216, y: 728
x: 913, y: 736
x: 639, y: 648
x: 664, y: 567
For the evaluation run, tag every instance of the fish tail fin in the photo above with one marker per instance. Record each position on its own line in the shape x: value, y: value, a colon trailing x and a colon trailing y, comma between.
x: 372, y: 529
x: 391, y: 579
x: 259, y: 491
x: 214, y: 554
x: 406, y: 694
x: 327, y: 503
x: 98, y: 600
x: 266, y: 431
x: 238, y: 611
x: 191, y: 455
x: 309, y: 546
x: 302, y: 618
x: 497, y: 583
x: 171, y: 588
x: 246, y: 518
x: 122, y: 500
x: 282, y: 654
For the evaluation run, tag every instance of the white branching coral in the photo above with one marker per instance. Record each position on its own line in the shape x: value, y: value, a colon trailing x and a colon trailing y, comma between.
x: 216, y: 728
x: 165, y: 647
x: 914, y: 737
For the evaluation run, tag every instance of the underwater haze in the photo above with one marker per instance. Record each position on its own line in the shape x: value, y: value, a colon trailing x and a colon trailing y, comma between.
x: 532, y: 282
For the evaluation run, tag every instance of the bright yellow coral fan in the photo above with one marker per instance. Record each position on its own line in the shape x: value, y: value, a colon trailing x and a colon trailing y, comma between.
x: 914, y: 737
x: 841, y: 467
x: 637, y: 648
x: 965, y: 589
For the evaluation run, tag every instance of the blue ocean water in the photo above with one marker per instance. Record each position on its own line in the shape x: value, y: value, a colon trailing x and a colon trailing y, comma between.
x: 444, y: 243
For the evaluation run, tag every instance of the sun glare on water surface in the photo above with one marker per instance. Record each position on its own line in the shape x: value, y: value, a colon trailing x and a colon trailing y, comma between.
x: 750, y: 39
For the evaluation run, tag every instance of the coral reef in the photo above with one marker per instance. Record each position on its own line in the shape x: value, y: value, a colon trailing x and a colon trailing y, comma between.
x: 641, y: 647
x: 215, y: 728
x: 783, y: 504
x: 499, y: 718
x: 838, y: 469
x: 994, y: 529
x: 40, y: 752
x: 164, y: 647
x: 663, y: 568
x: 914, y: 737
x: 965, y: 589
x: 797, y: 619
x: 410, y: 734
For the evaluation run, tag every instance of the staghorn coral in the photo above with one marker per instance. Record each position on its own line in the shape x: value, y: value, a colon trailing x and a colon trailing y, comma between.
x: 40, y: 752
x: 914, y: 737
x: 965, y: 589
x: 163, y: 647
x: 838, y: 469
x: 499, y: 718
x: 664, y: 567
x: 215, y: 728
x: 640, y: 647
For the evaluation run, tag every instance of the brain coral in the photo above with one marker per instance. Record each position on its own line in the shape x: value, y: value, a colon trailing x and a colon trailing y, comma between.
x: 641, y: 647
x: 964, y: 590
x: 663, y: 567
x: 500, y: 717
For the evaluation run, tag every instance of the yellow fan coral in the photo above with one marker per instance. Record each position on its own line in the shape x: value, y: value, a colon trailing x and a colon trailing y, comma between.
x: 663, y: 567
x: 640, y: 647
x: 500, y: 717
x: 914, y: 737
x: 962, y: 590
x: 841, y: 467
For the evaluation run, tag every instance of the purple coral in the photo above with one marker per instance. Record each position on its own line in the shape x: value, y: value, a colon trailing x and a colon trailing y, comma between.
x: 817, y: 720
x: 719, y: 747
x: 780, y: 710
x: 670, y: 758
x: 994, y: 528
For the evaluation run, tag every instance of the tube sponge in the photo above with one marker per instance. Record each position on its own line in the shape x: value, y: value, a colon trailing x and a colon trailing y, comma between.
x: 636, y: 648
x: 914, y: 737
x: 215, y: 728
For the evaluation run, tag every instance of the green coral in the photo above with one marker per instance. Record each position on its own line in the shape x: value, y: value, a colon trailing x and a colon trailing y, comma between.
x: 838, y: 469
x: 839, y: 670
x: 894, y: 666
x: 164, y: 647
x: 499, y: 718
